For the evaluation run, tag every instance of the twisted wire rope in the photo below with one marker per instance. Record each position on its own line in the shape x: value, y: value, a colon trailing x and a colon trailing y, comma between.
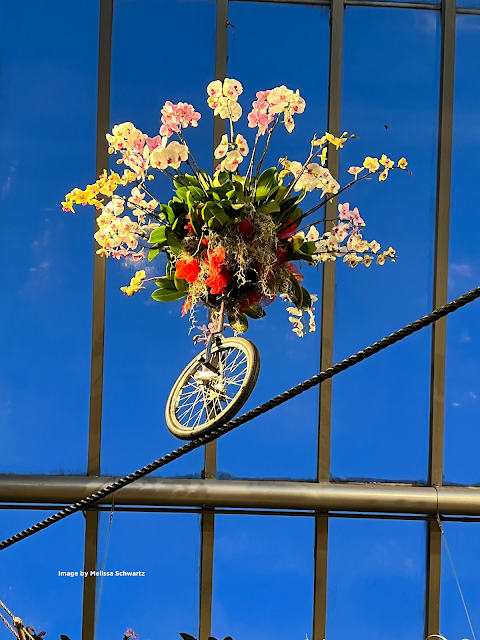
x: 15, y: 633
x: 9, y: 626
x: 246, y: 417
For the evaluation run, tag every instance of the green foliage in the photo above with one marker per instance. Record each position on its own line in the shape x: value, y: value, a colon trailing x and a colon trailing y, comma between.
x: 164, y: 295
x: 255, y: 312
x: 238, y: 321
x: 267, y: 184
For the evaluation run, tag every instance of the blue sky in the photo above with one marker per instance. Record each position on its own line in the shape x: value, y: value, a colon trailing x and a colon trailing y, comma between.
x: 380, y: 408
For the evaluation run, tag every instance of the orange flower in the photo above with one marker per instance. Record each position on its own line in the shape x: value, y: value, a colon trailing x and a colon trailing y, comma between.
x: 188, y: 269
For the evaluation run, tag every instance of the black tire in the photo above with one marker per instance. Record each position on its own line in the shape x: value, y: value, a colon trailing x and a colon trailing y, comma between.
x: 211, y: 396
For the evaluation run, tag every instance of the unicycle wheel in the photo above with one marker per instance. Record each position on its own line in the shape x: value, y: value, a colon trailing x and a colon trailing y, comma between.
x: 202, y: 399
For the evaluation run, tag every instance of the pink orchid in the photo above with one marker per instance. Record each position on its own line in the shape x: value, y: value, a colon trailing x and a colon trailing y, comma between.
x: 356, y: 219
x: 261, y: 119
x: 130, y: 633
x: 263, y: 95
x: 346, y: 214
x: 153, y: 143
x: 177, y: 115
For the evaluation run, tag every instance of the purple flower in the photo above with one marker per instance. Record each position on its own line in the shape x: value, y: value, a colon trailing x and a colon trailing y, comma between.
x: 130, y: 633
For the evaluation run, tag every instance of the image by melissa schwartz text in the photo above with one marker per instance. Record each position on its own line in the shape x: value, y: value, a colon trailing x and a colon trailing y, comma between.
x: 100, y: 574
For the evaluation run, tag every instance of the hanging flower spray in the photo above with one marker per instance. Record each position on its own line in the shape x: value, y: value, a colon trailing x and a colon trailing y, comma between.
x: 229, y: 237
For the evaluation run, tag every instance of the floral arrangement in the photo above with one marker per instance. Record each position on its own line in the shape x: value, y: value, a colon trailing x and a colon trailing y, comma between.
x: 227, y: 237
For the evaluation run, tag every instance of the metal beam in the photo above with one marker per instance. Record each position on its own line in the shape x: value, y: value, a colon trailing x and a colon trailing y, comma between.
x: 326, y: 327
x: 98, y: 318
x: 440, y: 293
x: 248, y: 494
x: 90, y: 583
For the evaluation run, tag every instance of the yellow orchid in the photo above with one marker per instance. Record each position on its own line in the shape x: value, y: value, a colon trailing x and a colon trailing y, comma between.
x: 135, y: 284
x: 383, y: 175
x: 371, y: 164
x: 402, y: 163
x: 387, y: 163
x: 367, y: 260
x: 337, y: 142
x: 323, y: 156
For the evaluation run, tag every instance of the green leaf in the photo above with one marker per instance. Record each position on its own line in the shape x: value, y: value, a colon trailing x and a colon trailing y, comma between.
x: 297, y: 243
x: 197, y: 193
x: 212, y: 209
x: 255, y: 312
x: 178, y: 207
x: 173, y: 242
x: 297, y: 293
x: 168, y: 211
x: 238, y: 321
x: 309, y: 248
x: 162, y: 295
x: 181, y: 285
x: 306, y: 299
x: 237, y: 207
x: 185, y: 181
x: 270, y: 207
x: 196, y: 224
x: 158, y: 235
x: 186, y: 636
x: 182, y: 193
x: 166, y: 283
x: 153, y: 253
x: 267, y: 182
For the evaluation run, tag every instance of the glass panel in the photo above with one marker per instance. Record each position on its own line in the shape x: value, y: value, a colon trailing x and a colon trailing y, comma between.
x: 138, y: 378
x: 464, y: 543
x: 163, y: 602
x: 468, y: 4
x: 31, y: 586
x: 462, y: 400
x: 263, y: 577
x: 376, y: 579
x: 391, y: 103
x: 286, y: 359
x: 49, y: 110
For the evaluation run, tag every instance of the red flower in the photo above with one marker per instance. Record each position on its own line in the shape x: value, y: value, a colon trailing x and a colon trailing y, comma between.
x: 217, y: 281
x: 215, y: 259
x: 188, y: 269
x: 289, y: 229
x: 245, y: 227
x: 219, y: 274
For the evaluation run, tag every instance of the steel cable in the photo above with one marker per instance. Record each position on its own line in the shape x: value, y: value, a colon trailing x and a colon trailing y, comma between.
x: 246, y: 417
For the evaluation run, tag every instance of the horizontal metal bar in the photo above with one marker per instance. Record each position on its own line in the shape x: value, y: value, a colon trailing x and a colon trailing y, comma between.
x: 392, y: 5
x: 250, y: 512
x: 253, y: 494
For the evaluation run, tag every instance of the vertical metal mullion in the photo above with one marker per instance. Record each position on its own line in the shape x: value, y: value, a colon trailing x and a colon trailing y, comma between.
x: 326, y: 330
x: 210, y: 460
x: 98, y: 320
x: 440, y: 292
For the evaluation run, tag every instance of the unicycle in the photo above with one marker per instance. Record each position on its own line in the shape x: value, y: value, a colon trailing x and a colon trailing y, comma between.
x: 213, y: 388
